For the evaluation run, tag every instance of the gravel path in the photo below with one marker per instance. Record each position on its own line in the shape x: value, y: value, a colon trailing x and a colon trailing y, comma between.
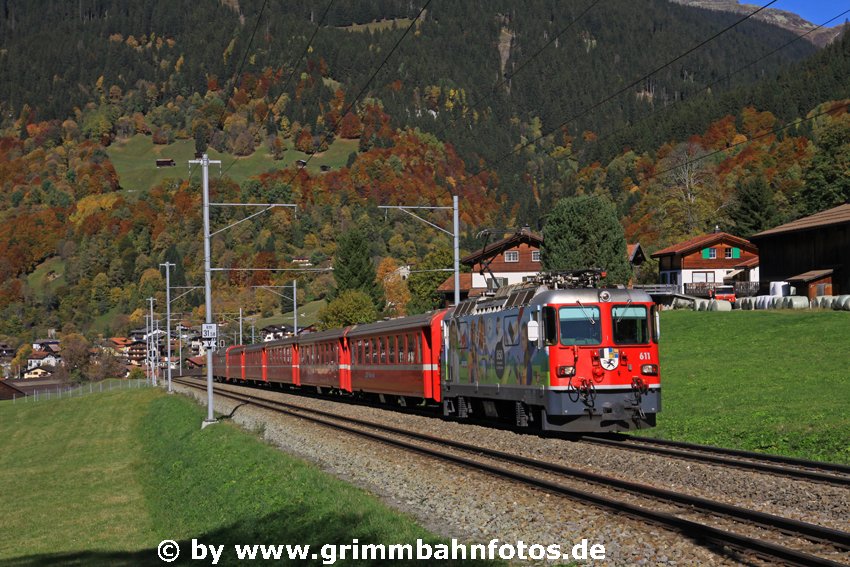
x: 455, y: 502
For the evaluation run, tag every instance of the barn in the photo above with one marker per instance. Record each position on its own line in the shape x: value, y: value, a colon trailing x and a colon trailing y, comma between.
x: 812, y: 253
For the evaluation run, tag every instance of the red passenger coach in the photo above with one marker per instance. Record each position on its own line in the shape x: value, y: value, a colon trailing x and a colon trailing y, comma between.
x: 255, y: 363
x: 282, y: 362
x: 399, y: 357
x: 234, y: 367
x: 323, y: 360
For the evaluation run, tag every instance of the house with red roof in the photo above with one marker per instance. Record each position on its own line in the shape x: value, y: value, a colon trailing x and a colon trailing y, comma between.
x: 508, y: 261
x: 696, y: 266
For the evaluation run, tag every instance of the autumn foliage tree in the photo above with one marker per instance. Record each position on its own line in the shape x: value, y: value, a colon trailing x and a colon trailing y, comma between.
x: 350, y: 308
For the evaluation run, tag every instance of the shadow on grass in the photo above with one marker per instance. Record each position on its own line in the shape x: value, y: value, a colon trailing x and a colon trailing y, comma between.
x: 336, y: 529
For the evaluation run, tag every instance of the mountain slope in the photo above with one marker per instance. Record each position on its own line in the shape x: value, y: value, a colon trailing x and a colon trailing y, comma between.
x: 780, y: 18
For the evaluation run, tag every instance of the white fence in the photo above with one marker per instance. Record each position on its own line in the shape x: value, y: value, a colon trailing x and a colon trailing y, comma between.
x: 67, y: 391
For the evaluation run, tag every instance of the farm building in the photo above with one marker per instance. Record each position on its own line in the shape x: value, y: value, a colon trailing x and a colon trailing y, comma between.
x: 812, y: 253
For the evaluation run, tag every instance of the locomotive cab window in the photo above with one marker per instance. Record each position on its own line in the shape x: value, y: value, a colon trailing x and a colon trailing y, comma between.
x: 631, y: 326
x: 580, y: 325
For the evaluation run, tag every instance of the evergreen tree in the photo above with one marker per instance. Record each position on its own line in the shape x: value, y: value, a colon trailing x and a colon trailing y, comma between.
x: 756, y: 209
x: 583, y: 232
x: 827, y: 179
x: 353, y: 268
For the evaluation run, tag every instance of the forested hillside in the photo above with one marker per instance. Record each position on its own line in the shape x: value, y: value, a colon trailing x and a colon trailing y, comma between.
x: 504, y: 103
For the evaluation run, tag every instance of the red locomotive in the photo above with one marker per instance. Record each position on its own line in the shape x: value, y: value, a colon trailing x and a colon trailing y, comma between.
x: 556, y: 352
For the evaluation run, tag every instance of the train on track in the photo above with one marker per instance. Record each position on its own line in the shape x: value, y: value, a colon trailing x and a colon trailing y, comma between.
x: 556, y: 353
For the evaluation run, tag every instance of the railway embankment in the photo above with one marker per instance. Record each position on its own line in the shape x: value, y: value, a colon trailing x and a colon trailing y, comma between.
x: 103, y: 479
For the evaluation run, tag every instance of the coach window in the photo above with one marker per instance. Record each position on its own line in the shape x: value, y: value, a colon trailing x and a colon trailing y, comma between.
x: 373, y: 345
x: 391, y: 350
x: 382, y: 341
x: 418, y: 348
x: 410, y: 348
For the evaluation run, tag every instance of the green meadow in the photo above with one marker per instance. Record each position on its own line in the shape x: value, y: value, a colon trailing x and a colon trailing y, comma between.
x: 135, y: 161
x: 102, y: 479
x: 771, y: 381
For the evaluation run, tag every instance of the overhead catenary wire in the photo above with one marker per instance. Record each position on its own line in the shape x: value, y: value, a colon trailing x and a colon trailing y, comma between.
x: 250, y: 42
x: 664, y: 108
x: 629, y: 86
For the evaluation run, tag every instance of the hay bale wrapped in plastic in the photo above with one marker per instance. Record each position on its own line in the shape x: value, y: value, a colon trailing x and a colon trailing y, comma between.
x: 720, y: 305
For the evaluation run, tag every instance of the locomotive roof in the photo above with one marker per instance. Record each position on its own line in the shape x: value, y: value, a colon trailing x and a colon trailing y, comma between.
x: 545, y: 290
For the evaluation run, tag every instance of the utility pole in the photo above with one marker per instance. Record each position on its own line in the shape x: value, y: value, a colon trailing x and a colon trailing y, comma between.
x: 151, y: 344
x: 205, y: 166
x: 168, y: 266
x: 156, y: 354
x: 455, y: 234
x: 148, y: 346
x: 205, y: 161
x: 180, y: 348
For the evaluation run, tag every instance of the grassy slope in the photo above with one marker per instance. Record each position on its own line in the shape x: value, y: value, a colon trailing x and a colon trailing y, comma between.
x: 134, y: 161
x: 102, y: 479
x: 773, y: 381
x: 307, y: 315
x: 38, y: 279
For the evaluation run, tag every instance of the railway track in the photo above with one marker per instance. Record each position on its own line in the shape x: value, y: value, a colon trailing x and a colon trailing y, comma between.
x: 552, y: 476
x: 829, y: 473
x: 785, y: 467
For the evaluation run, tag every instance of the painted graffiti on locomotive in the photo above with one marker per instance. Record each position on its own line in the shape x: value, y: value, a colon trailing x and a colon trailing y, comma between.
x: 492, y: 349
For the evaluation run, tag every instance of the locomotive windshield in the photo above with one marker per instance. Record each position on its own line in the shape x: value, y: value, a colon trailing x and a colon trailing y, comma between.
x: 630, y: 325
x: 580, y: 325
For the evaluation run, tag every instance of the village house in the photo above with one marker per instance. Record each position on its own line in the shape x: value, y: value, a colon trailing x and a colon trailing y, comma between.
x: 42, y: 358
x: 698, y: 265
x: 38, y: 372
x: 508, y: 261
x: 137, y: 352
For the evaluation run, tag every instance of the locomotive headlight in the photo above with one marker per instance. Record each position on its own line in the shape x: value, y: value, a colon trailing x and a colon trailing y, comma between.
x: 566, y: 371
x: 649, y: 370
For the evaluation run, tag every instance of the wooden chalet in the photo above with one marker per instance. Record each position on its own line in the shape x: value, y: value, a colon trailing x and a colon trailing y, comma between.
x: 696, y: 266
x: 507, y: 261
x: 812, y: 253
x: 137, y: 352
